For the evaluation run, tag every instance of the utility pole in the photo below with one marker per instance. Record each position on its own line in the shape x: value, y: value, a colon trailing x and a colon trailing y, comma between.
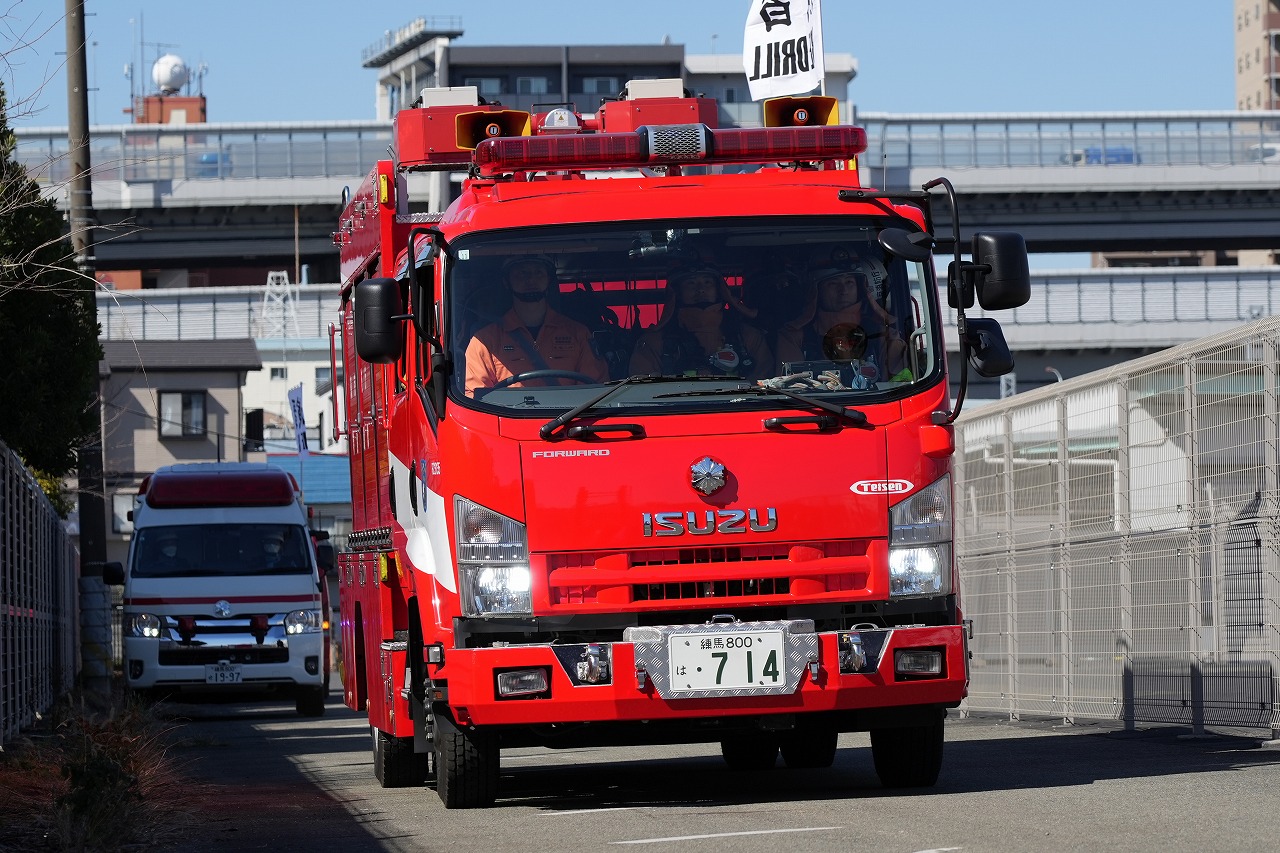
x: 93, y: 521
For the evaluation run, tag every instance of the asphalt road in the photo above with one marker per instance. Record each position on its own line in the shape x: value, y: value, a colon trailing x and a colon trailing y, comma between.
x: 262, y: 778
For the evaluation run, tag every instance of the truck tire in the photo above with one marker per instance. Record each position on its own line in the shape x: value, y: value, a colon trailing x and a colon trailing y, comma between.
x: 395, y: 764
x: 908, y: 757
x: 758, y: 751
x: 467, y: 765
x: 310, y: 701
x: 809, y: 746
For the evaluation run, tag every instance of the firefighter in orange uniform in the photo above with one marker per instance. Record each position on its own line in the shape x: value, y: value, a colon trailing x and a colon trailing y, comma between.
x: 531, y: 336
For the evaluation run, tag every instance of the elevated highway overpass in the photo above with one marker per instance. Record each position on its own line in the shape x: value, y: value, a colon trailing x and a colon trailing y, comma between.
x: 1069, y: 182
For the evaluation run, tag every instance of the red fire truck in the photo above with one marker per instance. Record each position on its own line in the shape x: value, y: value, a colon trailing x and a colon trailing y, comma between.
x: 650, y: 435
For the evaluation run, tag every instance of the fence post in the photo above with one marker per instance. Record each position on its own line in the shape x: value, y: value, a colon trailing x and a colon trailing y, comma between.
x: 1124, y: 530
x: 95, y: 638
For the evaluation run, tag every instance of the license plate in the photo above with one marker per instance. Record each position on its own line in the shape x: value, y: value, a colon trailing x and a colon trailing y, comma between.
x: 222, y: 673
x: 729, y: 660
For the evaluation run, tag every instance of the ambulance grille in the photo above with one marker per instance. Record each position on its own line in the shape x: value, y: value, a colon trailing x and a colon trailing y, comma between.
x: 676, y: 142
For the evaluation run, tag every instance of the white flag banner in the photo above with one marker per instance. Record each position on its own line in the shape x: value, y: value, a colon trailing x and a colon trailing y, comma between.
x: 299, y: 420
x: 782, y: 48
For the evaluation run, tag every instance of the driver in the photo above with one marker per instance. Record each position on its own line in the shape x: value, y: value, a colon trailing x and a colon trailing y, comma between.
x: 531, y: 336
x: 847, y: 322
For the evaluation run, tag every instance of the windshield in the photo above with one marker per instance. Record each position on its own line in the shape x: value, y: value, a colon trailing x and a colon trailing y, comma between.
x: 544, y: 319
x: 210, y: 550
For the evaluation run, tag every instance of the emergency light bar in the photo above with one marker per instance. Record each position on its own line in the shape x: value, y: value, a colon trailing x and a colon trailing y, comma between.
x: 693, y: 144
x: 242, y: 488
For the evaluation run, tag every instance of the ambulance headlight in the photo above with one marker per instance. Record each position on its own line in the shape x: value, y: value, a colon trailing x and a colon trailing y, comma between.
x: 146, y: 625
x: 302, y: 622
x: 920, y: 538
x: 493, y: 562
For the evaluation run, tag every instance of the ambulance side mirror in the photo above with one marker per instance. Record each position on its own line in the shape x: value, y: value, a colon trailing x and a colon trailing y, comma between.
x: 378, y: 310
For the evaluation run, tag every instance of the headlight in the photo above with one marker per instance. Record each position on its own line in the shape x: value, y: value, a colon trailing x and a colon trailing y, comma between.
x: 493, y: 561
x: 145, y: 625
x: 920, y: 531
x: 302, y: 621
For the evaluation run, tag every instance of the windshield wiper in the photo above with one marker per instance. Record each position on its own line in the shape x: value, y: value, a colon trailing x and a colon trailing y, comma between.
x: 552, y: 428
x: 854, y: 416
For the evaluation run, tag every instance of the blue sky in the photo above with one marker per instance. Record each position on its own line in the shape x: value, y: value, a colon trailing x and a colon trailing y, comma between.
x: 293, y: 61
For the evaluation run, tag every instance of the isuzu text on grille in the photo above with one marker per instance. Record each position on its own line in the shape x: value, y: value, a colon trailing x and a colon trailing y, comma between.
x: 705, y: 522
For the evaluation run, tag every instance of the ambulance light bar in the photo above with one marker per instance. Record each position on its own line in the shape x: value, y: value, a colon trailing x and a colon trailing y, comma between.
x: 666, y: 145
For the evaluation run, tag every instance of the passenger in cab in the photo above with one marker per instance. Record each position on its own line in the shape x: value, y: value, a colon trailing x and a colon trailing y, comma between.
x: 846, y: 321
x: 531, y: 335
x: 701, y: 332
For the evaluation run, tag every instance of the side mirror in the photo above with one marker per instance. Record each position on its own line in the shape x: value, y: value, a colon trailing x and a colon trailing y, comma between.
x: 377, y: 305
x: 910, y: 245
x: 113, y: 573
x: 327, y: 557
x: 988, y: 351
x: 1008, y: 284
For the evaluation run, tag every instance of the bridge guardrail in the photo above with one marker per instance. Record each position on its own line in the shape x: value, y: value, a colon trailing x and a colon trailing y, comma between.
x: 223, y: 151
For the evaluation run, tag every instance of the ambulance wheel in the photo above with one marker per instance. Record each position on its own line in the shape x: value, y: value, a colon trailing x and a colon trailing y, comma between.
x: 909, y: 757
x: 548, y: 373
x: 395, y: 764
x: 809, y: 746
x: 757, y: 751
x: 310, y: 701
x: 467, y: 764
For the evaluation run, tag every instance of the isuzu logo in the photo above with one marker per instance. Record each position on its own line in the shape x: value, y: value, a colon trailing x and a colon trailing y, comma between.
x: 704, y: 522
x: 882, y: 487
x: 707, y: 475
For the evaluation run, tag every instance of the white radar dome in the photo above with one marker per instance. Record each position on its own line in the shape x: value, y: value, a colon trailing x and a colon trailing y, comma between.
x: 170, y: 73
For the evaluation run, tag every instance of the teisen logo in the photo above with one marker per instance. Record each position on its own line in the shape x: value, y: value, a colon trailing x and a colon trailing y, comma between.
x: 559, y: 454
x: 882, y: 487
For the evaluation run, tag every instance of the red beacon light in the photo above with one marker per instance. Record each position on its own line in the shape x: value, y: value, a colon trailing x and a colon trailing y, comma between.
x: 241, y: 488
x: 670, y: 145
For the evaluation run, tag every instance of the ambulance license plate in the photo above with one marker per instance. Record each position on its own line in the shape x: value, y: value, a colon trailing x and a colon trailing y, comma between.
x: 728, y: 660
x: 222, y: 673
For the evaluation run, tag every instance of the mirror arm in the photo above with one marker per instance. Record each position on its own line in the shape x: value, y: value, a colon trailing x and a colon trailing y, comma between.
x: 959, y: 283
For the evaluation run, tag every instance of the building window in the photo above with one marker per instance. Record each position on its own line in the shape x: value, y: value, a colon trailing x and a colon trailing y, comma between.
x: 181, y: 414
x: 730, y: 96
x: 600, y: 85
x: 324, y: 380
x: 121, y: 507
x: 485, y: 85
x: 531, y: 85
x: 279, y: 373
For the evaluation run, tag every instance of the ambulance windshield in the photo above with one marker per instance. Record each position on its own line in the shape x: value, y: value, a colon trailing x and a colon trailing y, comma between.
x: 544, y: 319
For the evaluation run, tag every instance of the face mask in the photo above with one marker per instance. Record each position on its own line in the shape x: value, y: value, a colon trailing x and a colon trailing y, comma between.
x: 530, y: 295
x: 272, y: 548
x: 169, y: 550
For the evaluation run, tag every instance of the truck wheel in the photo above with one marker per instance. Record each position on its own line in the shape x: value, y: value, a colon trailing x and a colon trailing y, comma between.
x: 395, y: 764
x: 310, y: 701
x: 908, y: 757
x: 806, y: 747
x: 467, y: 763
x: 750, y: 752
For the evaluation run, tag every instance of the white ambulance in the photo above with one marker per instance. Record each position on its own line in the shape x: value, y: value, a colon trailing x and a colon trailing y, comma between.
x: 221, y: 590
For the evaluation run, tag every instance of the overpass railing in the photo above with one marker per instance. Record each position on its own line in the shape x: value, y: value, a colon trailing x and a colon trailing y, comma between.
x: 39, y: 613
x: 1137, y: 307
x: 1118, y: 540
x: 221, y: 151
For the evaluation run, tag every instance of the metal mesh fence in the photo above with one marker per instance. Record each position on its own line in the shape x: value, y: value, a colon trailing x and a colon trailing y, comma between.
x: 39, y: 621
x: 1117, y: 540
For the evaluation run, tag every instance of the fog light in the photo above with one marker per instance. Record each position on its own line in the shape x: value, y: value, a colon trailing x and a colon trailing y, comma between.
x: 917, y: 662
x: 311, y: 664
x: 522, y: 682
x: 135, y: 669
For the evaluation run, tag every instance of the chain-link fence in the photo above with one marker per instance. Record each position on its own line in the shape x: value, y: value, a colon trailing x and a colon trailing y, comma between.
x: 1118, y: 542
x: 39, y: 622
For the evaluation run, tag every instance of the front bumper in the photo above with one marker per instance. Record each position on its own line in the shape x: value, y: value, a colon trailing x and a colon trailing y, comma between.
x: 824, y: 672
x: 297, y: 661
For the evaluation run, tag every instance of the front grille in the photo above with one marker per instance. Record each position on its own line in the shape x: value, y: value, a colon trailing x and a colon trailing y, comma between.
x: 782, y: 572
x: 710, y: 589
x: 215, y: 654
